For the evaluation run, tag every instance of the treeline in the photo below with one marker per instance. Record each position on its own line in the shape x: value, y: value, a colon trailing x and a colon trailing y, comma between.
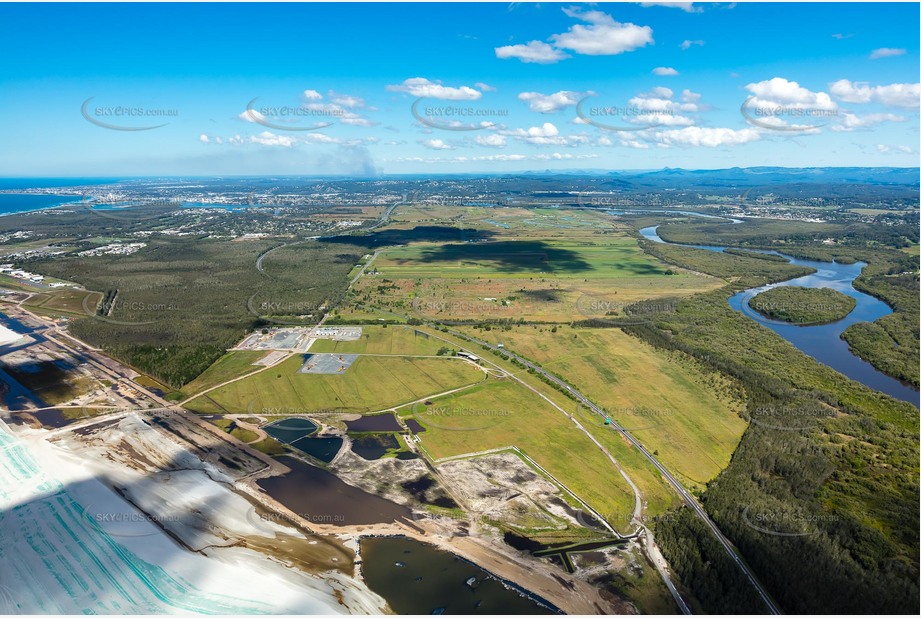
x: 173, y: 308
x: 821, y: 497
x: 777, y: 234
x: 891, y: 344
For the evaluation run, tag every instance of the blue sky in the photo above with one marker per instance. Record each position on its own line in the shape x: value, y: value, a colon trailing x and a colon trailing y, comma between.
x: 330, y: 88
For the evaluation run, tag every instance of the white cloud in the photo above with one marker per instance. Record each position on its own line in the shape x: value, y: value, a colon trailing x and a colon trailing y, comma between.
x: 705, y: 136
x: 547, y: 103
x: 422, y: 87
x: 687, y: 7
x: 849, y: 122
x: 632, y: 143
x: 896, y: 95
x: 251, y: 115
x: 548, y: 129
x: 436, y: 144
x: 687, y: 43
x: 203, y: 138
x: 659, y: 100
x: 267, y: 138
x: 558, y: 156
x: 346, y: 100
x: 664, y: 71
x: 603, y: 36
x: 689, y: 97
x: 841, y: 36
x: 484, y: 87
x: 493, y: 140
x: 537, y: 52
x: 779, y: 91
x: 501, y: 157
x: 312, y: 95
x: 545, y: 135
x: 886, y: 52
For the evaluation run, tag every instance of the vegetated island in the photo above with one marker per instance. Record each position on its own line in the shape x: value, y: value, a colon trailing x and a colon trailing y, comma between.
x: 798, y: 305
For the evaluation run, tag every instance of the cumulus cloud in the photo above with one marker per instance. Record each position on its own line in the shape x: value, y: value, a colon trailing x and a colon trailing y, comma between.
x: 660, y: 99
x: 602, y: 36
x: 664, y: 71
x: 547, y: 103
x: 896, y: 95
x: 779, y: 91
x: 312, y: 95
x: 687, y: 43
x: 537, y: 52
x: 687, y: 7
x: 886, y: 52
x: 484, y: 87
x: 705, y: 136
x: 436, y: 144
x: 849, y: 122
x: 346, y: 100
x: 884, y: 149
x: 545, y: 135
x: 203, y: 139
x: 266, y: 138
x: 422, y: 87
x: 560, y: 156
x: 492, y: 141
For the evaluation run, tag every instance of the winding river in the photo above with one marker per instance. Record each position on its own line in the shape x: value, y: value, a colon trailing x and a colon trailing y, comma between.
x: 822, y: 342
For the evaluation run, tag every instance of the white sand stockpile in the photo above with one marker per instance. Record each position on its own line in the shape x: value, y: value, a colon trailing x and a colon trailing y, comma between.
x: 71, y: 545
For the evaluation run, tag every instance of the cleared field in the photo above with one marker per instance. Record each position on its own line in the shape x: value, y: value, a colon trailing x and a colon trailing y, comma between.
x: 229, y: 366
x: 77, y: 302
x: 618, y: 256
x: 397, y: 340
x: 535, y: 279
x: 371, y: 383
x: 690, y: 418
x: 501, y: 413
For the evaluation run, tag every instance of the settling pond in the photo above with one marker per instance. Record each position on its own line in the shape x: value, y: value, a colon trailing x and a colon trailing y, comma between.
x: 417, y: 578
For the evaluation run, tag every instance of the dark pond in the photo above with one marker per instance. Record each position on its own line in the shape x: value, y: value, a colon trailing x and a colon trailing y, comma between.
x: 416, y: 578
x: 414, y: 425
x: 324, y: 449
x: 290, y: 429
x: 374, y: 446
x: 321, y: 497
x: 374, y: 423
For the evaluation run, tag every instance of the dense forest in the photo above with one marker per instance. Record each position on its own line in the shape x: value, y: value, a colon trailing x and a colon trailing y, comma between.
x: 822, y: 501
x: 173, y: 308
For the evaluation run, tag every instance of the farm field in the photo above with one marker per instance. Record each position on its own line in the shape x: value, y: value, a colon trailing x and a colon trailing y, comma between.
x: 502, y: 413
x: 534, y: 279
x: 691, y: 419
x: 396, y: 340
x: 227, y: 367
x: 371, y: 383
x: 67, y: 301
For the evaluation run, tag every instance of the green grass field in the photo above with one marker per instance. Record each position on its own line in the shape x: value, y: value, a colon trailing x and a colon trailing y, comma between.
x: 229, y: 366
x: 65, y: 301
x: 688, y: 417
x: 501, y: 413
x: 371, y: 383
x: 397, y: 340
x: 612, y: 257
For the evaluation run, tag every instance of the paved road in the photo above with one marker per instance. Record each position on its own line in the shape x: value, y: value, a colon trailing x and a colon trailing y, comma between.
x: 685, y: 495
